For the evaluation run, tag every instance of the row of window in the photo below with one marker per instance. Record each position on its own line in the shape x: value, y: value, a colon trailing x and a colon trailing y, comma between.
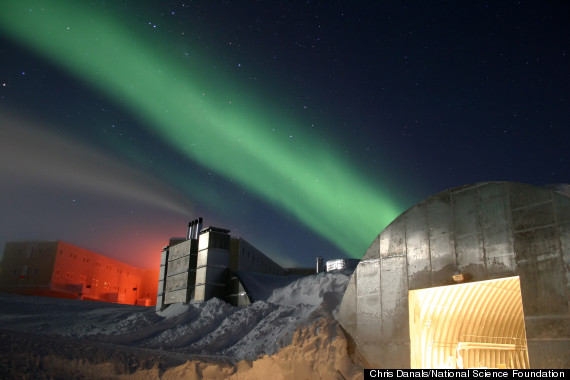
x: 97, y: 263
x: 259, y: 260
x: 25, y: 270
x: 29, y: 251
x: 94, y: 282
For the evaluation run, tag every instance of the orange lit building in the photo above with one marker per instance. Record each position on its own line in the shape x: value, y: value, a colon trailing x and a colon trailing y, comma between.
x: 60, y: 269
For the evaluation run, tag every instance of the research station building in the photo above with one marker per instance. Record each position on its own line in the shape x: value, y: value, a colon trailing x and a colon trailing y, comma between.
x: 211, y: 263
x: 60, y: 269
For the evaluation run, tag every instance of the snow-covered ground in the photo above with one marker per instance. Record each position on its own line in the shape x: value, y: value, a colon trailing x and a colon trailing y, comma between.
x: 296, y: 321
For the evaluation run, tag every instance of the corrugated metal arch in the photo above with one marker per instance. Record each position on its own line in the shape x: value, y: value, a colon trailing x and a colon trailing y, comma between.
x: 478, y: 324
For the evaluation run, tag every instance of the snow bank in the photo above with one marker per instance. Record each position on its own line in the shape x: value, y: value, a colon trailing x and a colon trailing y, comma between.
x: 214, y: 328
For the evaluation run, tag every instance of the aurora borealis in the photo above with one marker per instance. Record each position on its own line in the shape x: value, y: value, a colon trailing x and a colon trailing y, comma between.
x: 260, y: 158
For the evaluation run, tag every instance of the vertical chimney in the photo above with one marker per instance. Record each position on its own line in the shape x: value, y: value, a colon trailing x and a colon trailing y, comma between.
x: 320, y: 264
x: 198, y: 227
x: 189, y: 232
x: 193, y: 231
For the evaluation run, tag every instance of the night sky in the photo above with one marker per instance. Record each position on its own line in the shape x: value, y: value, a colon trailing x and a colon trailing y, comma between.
x: 303, y: 126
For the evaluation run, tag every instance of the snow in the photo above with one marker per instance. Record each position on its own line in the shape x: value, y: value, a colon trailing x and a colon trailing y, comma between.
x: 174, y: 310
x: 260, y: 286
x: 209, y: 329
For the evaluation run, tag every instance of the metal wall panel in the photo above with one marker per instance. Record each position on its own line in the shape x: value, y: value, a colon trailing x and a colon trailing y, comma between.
x: 199, y: 293
x: 468, y: 245
x: 201, y: 275
x: 205, y: 292
x: 204, y: 241
x: 564, y: 231
x: 539, y: 244
x: 541, y: 270
x: 178, y: 265
x: 442, y: 250
x: 163, y: 258
x: 533, y: 216
x: 210, y: 275
x: 394, y: 243
x: 373, y: 252
x: 176, y: 297
x: 214, y: 239
x: 394, y: 290
x: 466, y: 212
x: 561, y: 208
x: 496, y: 228
x: 417, y: 247
x: 159, y: 302
x: 179, y: 250
x: 368, y: 302
x: 176, y: 282
x: 213, y: 256
x: 523, y: 195
x: 440, y: 215
x: 216, y: 275
x: 549, y: 353
x: 562, y: 214
x: 252, y: 259
x: 384, y: 241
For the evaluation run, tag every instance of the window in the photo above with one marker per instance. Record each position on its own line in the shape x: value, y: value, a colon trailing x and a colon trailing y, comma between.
x: 24, y: 274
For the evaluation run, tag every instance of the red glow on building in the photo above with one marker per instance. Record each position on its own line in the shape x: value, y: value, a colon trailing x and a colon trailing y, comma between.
x: 60, y: 269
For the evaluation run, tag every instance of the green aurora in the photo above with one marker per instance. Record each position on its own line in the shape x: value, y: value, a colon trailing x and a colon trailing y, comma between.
x: 207, y: 118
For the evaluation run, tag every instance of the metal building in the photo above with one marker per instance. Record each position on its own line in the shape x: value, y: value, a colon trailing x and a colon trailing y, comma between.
x: 210, y: 263
x: 338, y: 265
x: 60, y: 269
x: 474, y: 276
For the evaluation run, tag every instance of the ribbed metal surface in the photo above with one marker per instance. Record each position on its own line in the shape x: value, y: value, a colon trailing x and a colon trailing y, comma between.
x: 484, y: 231
x: 468, y: 325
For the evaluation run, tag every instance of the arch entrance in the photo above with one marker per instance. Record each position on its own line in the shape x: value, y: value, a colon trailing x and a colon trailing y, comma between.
x: 472, y: 325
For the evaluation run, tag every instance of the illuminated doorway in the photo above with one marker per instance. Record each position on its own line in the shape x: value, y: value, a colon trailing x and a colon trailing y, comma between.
x: 473, y: 325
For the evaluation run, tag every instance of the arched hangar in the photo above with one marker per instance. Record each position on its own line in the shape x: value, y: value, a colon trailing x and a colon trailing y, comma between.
x: 474, y: 276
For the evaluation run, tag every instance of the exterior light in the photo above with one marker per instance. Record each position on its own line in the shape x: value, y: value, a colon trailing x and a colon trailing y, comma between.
x: 458, y: 277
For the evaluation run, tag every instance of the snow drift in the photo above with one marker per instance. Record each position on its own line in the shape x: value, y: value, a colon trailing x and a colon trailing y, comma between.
x: 207, y: 334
